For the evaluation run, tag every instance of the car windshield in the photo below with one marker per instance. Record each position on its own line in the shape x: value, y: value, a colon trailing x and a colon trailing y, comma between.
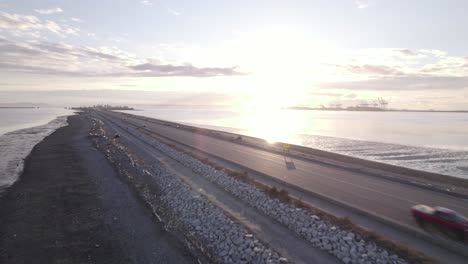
x: 459, y: 218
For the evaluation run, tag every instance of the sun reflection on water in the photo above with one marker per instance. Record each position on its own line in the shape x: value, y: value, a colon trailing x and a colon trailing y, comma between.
x: 274, y: 125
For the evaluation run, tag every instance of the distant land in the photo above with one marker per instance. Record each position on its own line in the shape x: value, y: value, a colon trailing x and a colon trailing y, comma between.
x: 371, y: 109
x: 17, y: 107
x: 105, y: 107
x: 26, y: 105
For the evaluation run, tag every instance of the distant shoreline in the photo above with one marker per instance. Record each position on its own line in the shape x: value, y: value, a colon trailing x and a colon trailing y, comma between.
x: 373, y: 110
x: 18, y: 107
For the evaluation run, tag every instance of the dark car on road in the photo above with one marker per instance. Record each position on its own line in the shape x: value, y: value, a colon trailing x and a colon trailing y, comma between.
x: 446, y: 220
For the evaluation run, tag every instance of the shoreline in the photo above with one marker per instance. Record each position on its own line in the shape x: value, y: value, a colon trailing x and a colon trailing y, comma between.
x: 62, y: 209
x: 380, y: 110
x: 17, y: 145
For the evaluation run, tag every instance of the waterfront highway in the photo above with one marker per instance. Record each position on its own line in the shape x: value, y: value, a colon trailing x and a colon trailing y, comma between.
x: 377, y: 196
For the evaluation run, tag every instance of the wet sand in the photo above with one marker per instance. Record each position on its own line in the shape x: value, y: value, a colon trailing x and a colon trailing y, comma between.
x: 69, y: 206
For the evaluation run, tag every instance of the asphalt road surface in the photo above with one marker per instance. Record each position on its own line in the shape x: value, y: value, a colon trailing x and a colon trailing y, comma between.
x: 385, y: 198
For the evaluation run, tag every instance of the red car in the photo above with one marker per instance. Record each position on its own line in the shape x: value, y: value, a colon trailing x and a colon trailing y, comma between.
x: 443, y: 218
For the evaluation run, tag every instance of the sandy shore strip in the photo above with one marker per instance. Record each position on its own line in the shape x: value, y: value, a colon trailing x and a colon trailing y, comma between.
x: 69, y: 206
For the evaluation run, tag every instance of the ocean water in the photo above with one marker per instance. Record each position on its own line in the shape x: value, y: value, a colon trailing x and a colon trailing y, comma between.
x: 428, y: 141
x: 20, y: 131
x: 12, y: 119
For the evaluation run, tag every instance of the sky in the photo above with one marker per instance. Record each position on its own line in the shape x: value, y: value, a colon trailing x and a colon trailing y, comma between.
x: 413, y: 54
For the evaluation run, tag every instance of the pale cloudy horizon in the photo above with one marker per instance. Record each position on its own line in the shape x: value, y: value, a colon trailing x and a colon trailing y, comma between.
x: 273, y: 53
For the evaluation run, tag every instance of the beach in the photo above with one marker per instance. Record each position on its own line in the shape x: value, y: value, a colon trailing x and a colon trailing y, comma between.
x: 69, y: 206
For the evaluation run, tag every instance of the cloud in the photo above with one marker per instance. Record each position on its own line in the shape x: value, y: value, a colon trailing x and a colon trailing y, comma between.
x: 407, y: 82
x: 146, y: 3
x: 361, y: 4
x: 126, y: 85
x: 78, y: 20
x: 18, y: 24
x: 43, y: 58
x: 376, y: 63
x: 333, y: 94
x: 372, y: 69
x: 172, y: 11
x: 158, y: 70
x: 445, y: 65
x: 408, y: 52
x: 49, y: 11
x: 398, y: 70
x: 114, y: 96
x: 326, y: 94
x: 168, y: 9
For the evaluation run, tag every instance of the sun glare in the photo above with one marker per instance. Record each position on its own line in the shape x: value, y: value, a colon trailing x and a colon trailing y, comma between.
x: 273, y: 125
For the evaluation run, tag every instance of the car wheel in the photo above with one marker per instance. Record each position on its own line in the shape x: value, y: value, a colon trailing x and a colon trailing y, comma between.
x: 461, y: 235
x: 420, y: 222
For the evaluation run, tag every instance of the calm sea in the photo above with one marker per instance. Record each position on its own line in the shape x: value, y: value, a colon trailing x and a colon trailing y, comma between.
x: 12, y: 119
x: 20, y: 131
x: 435, y: 142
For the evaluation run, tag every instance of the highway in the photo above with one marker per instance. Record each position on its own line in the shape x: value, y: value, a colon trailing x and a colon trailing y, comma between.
x: 385, y: 198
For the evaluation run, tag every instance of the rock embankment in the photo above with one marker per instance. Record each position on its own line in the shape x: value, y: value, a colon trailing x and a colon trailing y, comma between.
x: 196, y: 220
x: 345, y: 245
